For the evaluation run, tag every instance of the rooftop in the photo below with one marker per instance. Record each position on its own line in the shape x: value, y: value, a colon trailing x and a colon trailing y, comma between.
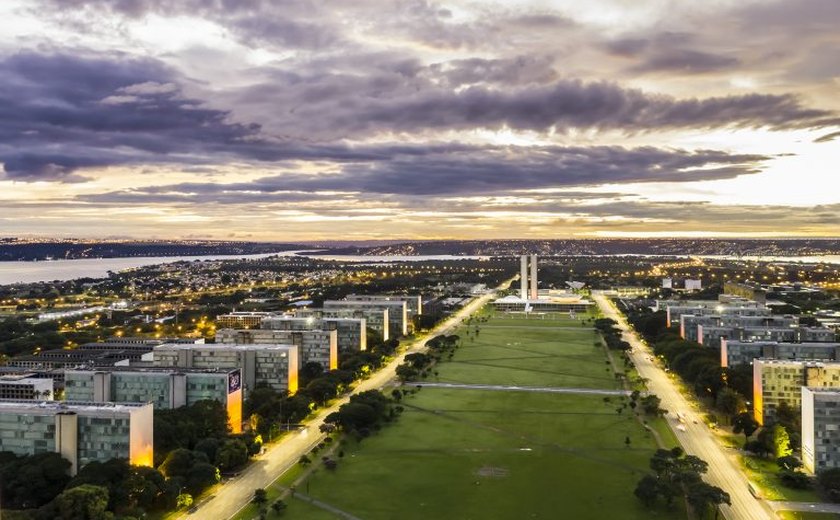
x: 154, y: 370
x: 224, y: 346
x: 55, y: 407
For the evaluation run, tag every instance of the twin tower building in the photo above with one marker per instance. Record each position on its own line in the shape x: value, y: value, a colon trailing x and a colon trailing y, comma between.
x: 528, y: 287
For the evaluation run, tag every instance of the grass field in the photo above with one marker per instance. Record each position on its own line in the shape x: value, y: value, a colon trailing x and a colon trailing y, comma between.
x: 764, y: 473
x: 800, y: 515
x: 474, y: 454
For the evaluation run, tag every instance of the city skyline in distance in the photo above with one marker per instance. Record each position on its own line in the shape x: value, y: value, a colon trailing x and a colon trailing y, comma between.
x: 419, y: 120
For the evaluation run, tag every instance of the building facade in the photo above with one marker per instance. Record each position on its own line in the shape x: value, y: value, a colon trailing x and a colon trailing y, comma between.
x: 674, y: 309
x: 746, y: 291
x: 690, y: 323
x: 554, y: 303
x: 273, y: 365
x: 81, y: 432
x: 396, y: 312
x: 241, y: 320
x: 351, y: 332
x: 734, y: 352
x: 314, y: 346
x: 413, y: 302
x: 165, y: 388
x: 820, y: 430
x: 26, y: 386
x: 377, y: 319
x: 711, y: 336
x: 776, y: 381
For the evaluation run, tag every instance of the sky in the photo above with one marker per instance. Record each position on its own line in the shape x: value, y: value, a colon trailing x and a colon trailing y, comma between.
x: 412, y: 119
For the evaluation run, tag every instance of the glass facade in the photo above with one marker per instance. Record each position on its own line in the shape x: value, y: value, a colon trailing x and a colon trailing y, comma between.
x: 103, y: 438
x: 25, y: 434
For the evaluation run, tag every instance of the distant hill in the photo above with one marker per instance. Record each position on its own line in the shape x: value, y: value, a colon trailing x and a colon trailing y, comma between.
x: 13, y: 249
x: 677, y: 246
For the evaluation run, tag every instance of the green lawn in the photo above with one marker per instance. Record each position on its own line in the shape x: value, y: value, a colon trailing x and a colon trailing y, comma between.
x: 519, y: 355
x: 764, y: 473
x: 472, y: 454
x: 798, y: 515
x: 665, y: 433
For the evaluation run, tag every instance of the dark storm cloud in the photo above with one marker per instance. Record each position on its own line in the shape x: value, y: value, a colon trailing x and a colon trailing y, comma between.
x: 59, y: 113
x: 480, y: 171
x: 569, y: 104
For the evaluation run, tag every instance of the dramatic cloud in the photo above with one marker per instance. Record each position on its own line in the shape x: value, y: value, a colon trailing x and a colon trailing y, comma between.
x: 110, y: 110
x: 462, y: 117
x: 59, y: 113
x: 470, y: 171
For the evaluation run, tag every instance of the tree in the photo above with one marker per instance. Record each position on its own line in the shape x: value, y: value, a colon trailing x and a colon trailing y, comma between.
x: 85, y: 502
x: 647, y: 490
x: 279, y: 506
x: 209, y: 446
x: 756, y: 447
x: 788, y: 416
x: 310, y: 371
x: 789, y: 462
x: 730, y: 402
x: 702, y: 495
x: 744, y: 423
x: 321, y: 390
x: 129, y: 487
x: 776, y: 439
x: 651, y: 405
x: 184, y: 500
x: 33, y: 480
x: 829, y: 483
x: 232, y: 455
x: 201, y: 476
x: 260, y: 496
x: 795, y: 479
x: 179, y: 462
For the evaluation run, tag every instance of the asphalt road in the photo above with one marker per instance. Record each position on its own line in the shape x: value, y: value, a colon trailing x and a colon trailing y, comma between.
x: 231, y: 497
x: 697, y: 439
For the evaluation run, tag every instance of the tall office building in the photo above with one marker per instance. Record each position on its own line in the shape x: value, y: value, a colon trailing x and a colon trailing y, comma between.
x: 316, y: 346
x: 711, y: 336
x: 241, y: 320
x: 413, y: 302
x: 165, y: 388
x: 528, y: 277
x: 273, y: 365
x: 81, y: 432
x: 375, y: 319
x: 777, y: 381
x: 351, y: 332
x: 534, y: 284
x: 691, y: 325
x: 397, y: 313
x: 735, y: 352
x: 820, y: 431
